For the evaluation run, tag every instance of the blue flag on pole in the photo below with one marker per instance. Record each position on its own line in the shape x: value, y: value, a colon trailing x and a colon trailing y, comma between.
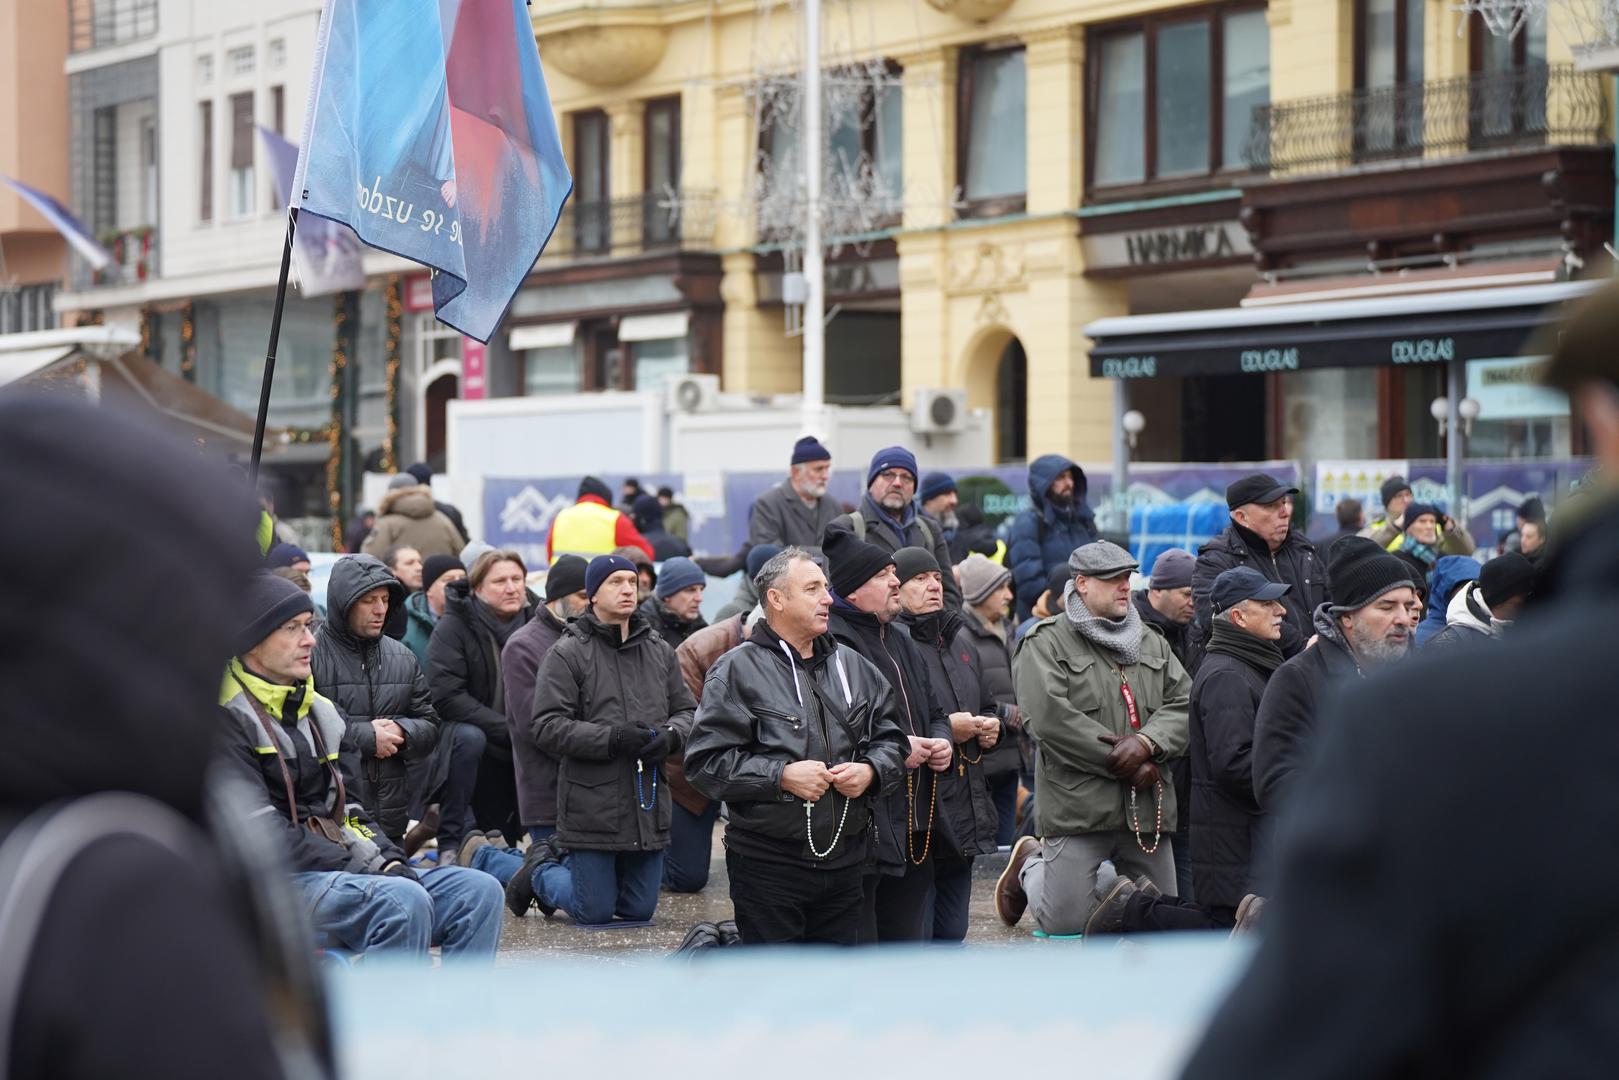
x: 430, y: 134
x: 326, y: 255
x: 71, y: 228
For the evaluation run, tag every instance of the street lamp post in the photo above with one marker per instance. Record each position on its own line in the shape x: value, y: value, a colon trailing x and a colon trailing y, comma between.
x: 1131, y: 425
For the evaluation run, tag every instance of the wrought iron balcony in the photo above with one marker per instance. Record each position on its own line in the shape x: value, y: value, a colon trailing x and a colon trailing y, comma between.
x: 95, y: 24
x: 1530, y: 106
x: 636, y: 225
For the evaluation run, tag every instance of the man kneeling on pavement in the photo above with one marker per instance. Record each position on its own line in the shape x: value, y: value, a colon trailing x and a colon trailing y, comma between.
x: 284, y: 740
x: 1106, y: 702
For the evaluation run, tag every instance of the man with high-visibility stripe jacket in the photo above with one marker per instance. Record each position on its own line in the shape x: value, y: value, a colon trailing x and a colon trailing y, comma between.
x: 592, y: 527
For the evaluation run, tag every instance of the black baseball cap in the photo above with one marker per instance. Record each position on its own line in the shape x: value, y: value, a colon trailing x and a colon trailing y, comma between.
x: 1241, y: 583
x: 1258, y: 488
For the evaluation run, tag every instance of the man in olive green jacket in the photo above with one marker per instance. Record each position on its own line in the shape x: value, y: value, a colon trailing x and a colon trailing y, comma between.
x: 1106, y: 702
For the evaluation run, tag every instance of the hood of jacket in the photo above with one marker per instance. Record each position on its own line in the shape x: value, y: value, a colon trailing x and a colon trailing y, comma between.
x: 1464, y: 611
x: 112, y: 653
x: 1326, y: 625
x: 352, y: 577
x: 1448, y: 572
x: 417, y: 611
x: 1045, y: 469
x: 412, y: 502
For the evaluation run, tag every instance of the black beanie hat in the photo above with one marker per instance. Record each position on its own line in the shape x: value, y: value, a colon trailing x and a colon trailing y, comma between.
x: 854, y: 562
x: 911, y: 561
x: 268, y: 602
x: 566, y: 577
x: 1415, y: 510
x: 1359, y: 571
x: 435, y: 567
x: 1392, y: 487
x: 592, y: 486
x: 1505, y: 577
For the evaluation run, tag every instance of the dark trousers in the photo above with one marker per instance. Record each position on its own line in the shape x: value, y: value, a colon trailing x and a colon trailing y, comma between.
x: 896, y: 905
x: 1003, y: 790
x: 1143, y: 914
x: 691, y: 849
x: 494, y: 798
x: 952, y: 893
x: 780, y: 903
x: 467, y: 744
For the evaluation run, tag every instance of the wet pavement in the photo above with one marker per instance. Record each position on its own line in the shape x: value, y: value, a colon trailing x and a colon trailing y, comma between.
x: 678, y: 912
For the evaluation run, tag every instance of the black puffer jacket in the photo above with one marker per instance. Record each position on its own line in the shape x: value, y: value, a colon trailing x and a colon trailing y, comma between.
x: 674, y: 631
x: 592, y: 681
x: 372, y: 679
x: 907, y: 815
x: 765, y: 707
x: 995, y: 668
x: 1295, y: 563
x: 958, y: 686
x: 1225, y: 821
x: 464, y: 659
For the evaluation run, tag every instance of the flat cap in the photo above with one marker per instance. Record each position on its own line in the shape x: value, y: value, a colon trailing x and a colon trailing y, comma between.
x: 1101, y: 559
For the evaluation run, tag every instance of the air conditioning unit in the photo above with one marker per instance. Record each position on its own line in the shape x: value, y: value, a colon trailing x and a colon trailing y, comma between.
x: 937, y: 411
x: 692, y: 393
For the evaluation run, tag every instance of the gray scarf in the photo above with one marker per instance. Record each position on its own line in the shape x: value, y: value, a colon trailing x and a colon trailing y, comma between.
x: 1121, y: 637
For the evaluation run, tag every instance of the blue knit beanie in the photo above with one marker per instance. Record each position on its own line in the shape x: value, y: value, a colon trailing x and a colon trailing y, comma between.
x: 603, y: 567
x: 892, y: 457
x: 809, y: 448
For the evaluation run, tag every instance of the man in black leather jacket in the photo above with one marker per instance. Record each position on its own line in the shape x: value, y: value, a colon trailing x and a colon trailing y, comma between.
x: 377, y: 686
x: 797, y: 734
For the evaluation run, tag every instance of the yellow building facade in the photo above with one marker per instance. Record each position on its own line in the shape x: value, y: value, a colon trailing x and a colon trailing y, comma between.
x: 1016, y: 277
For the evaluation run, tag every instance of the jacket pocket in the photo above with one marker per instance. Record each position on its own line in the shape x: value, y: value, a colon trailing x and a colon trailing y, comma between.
x: 592, y: 801
x: 1080, y: 681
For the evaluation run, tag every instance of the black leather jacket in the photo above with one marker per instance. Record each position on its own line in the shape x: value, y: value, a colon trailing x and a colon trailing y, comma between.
x: 765, y: 707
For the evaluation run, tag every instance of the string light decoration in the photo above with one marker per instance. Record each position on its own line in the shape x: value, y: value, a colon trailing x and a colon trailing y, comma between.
x: 395, y: 329
x: 188, y: 342
x: 148, y: 316
x: 342, y: 345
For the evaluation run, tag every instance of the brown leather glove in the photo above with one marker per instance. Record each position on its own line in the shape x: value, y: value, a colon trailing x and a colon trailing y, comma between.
x: 1129, y: 754
x: 1145, y: 777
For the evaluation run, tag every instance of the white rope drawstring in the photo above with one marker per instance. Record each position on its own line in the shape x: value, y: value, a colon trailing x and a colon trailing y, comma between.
x: 791, y: 663
x: 843, y: 676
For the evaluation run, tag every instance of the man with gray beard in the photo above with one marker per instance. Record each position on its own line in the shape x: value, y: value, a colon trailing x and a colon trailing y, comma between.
x: 1366, y: 624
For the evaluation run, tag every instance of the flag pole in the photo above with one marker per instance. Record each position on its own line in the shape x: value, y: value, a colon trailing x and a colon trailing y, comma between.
x: 269, y: 356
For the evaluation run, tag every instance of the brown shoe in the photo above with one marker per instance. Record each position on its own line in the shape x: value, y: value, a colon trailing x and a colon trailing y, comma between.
x: 1108, y: 916
x: 1010, y: 899
x: 1249, y: 913
x: 423, y: 831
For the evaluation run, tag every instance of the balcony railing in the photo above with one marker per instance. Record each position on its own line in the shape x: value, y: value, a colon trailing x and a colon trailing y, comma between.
x: 95, y: 24
x: 636, y: 225
x: 134, y: 254
x: 1534, y: 105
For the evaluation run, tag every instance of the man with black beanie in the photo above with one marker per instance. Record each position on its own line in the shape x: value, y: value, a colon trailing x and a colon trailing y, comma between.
x: 520, y: 659
x: 1367, y: 624
x: 865, y: 606
x: 1483, y: 609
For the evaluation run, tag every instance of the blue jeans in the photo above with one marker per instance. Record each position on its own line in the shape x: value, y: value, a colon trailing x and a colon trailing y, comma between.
x: 691, y: 849
x: 1003, y: 790
x: 501, y: 864
x: 456, y: 908
x: 596, y: 886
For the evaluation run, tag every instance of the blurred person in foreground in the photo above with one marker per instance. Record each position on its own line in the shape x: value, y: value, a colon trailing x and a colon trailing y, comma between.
x: 1388, y: 955
x: 138, y: 915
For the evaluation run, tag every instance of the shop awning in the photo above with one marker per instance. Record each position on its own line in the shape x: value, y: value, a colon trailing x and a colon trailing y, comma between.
x: 1478, y: 324
x: 671, y: 324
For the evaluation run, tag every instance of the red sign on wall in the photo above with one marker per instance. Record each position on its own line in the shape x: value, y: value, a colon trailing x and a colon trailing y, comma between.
x: 474, y: 386
x: 419, y: 293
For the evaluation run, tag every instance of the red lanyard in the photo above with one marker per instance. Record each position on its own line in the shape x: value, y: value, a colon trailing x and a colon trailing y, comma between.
x: 1129, y: 703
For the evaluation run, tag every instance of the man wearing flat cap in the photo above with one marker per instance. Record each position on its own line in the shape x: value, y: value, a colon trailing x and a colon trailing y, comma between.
x: 1106, y: 702
x: 1260, y: 536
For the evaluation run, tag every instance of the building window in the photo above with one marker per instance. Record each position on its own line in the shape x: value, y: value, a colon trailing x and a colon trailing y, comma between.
x: 552, y: 370
x: 1508, y: 98
x: 658, y: 361
x: 148, y: 148
x: 104, y: 178
x: 992, y: 158
x: 205, y: 181
x: 241, y: 155
x: 1388, y: 64
x: 661, y: 131
x: 1172, y: 97
x: 27, y: 307
x: 276, y: 56
x: 205, y: 70
x: 239, y: 61
x: 863, y: 170
x: 592, y: 181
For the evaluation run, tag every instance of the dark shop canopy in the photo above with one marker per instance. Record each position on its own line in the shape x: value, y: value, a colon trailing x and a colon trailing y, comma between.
x: 1431, y: 328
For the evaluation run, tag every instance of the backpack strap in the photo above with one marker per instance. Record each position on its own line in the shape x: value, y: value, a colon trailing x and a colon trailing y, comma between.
x: 39, y: 851
x: 857, y: 522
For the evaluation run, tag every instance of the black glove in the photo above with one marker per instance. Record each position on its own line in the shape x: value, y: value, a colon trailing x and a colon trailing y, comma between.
x: 626, y: 742
x: 659, y: 747
x: 399, y: 869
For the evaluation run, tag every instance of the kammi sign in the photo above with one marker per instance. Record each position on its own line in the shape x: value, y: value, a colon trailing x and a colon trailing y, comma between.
x: 1510, y: 389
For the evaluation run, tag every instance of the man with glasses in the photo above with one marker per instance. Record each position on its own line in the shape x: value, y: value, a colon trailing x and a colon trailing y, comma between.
x: 797, y: 511
x: 888, y: 516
